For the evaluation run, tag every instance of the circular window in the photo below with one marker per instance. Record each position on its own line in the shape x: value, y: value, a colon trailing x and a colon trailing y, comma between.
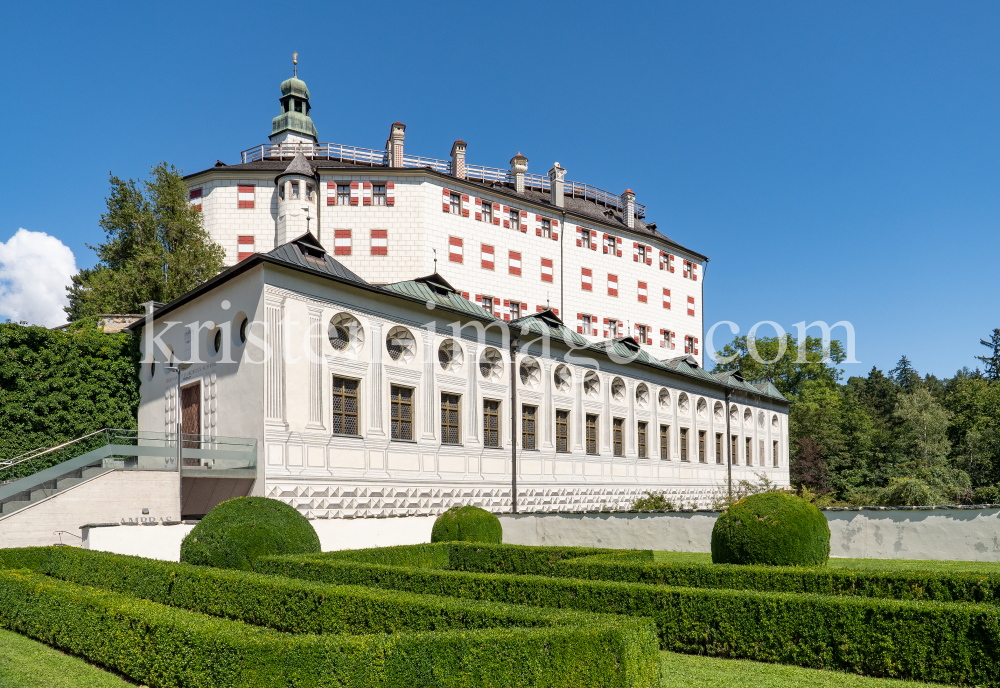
x: 244, y: 326
x: 450, y: 355
x: 563, y: 378
x: 618, y: 389
x: 702, y: 408
x: 530, y: 373
x: 346, y: 333
x: 491, y: 364
x: 400, y: 345
x: 748, y: 418
x: 720, y: 412
x: 642, y: 396
x: 774, y: 422
x: 591, y: 384
x: 217, y: 342
x: 683, y: 404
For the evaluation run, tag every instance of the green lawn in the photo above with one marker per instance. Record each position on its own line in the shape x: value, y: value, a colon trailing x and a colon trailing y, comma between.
x: 26, y: 663
x: 689, y: 671
x: 857, y: 564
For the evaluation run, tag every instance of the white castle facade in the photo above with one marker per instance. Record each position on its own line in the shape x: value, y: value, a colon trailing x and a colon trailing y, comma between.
x: 363, y: 336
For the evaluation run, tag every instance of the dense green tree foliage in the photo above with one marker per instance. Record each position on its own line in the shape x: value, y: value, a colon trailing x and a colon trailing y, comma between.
x: 155, y: 248
x: 886, y: 438
x: 59, y: 385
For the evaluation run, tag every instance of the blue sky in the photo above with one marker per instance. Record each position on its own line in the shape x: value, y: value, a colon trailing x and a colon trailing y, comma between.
x: 836, y: 161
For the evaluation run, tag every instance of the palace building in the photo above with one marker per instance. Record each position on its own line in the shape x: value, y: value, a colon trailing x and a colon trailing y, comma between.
x: 362, y: 335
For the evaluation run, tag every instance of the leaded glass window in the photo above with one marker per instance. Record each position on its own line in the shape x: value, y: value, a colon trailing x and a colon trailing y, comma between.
x: 491, y: 423
x: 528, y: 426
x: 345, y: 406
x: 449, y: 419
x: 591, y: 433
x: 401, y: 413
x: 618, y: 437
x: 562, y: 431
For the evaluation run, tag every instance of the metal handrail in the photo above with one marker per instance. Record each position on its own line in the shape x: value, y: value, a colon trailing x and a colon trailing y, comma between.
x: 377, y: 158
x: 9, y: 463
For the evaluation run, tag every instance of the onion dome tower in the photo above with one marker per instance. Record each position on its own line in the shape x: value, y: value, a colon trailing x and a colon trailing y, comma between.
x: 298, y: 210
x: 294, y: 125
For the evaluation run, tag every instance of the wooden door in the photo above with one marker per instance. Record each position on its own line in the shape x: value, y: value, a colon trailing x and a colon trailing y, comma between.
x: 191, y: 413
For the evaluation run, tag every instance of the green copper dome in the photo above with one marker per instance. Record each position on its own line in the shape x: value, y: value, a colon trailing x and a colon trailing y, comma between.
x: 295, y: 109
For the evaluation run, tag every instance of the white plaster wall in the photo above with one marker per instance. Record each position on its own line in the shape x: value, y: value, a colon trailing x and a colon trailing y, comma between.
x: 682, y: 532
x: 107, y: 498
x: 155, y: 541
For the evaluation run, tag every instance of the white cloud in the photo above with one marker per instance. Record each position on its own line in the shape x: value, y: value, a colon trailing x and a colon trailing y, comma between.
x: 35, y: 269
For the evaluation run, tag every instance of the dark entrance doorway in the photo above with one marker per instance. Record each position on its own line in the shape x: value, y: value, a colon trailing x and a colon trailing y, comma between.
x: 191, y: 413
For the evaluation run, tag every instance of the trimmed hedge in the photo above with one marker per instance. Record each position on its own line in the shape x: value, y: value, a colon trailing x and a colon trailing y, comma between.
x: 636, y: 566
x: 237, y: 531
x: 467, y: 523
x: 928, y: 641
x: 163, y: 646
x: 772, y: 528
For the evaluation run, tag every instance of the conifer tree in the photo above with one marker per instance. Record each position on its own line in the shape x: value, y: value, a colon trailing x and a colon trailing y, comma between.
x: 992, y: 362
x: 155, y: 248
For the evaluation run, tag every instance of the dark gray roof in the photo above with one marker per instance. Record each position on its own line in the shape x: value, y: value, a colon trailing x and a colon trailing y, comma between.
x: 299, y: 165
x: 305, y: 251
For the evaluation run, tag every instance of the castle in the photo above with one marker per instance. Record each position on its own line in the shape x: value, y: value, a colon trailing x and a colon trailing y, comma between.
x: 362, y: 334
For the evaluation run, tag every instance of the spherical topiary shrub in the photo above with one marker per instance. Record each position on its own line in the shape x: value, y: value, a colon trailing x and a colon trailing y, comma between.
x: 771, y: 528
x: 468, y: 523
x: 238, y: 531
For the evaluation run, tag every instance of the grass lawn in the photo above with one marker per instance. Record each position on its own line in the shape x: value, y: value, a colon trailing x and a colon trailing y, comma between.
x: 689, y: 671
x: 857, y: 564
x: 26, y: 663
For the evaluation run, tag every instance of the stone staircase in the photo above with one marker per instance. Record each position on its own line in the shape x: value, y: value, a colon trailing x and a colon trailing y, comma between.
x: 52, y: 488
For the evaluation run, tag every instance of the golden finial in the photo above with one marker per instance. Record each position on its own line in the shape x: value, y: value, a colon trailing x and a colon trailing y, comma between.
x: 295, y: 64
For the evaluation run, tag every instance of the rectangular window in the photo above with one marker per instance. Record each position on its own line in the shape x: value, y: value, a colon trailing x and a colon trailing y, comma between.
x: 641, y: 441
x: 609, y: 244
x: 380, y: 242
x: 449, y: 419
x: 642, y: 334
x: 618, y: 436
x: 718, y: 447
x: 345, y: 406
x: 295, y: 190
x: 515, y: 220
x: 774, y: 453
x: 664, y: 442
x: 585, y: 321
x: 491, y: 423
x: 343, y: 194
x: 244, y: 196
x: 528, y: 414
x: 584, y: 237
x: 642, y: 253
x: 309, y: 192
x: 701, y: 447
x: 487, y: 257
x: 516, y: 310
x: 487, y: 212
x: 734, y: 447
x: 612, y: 285
x: 546, y: 269
x: 684, y: 444
x: 761, y: 457
x: 591, y: 434
x: 488, y: 303
x: 341, y: 242
x: 401, y: 412
x: 378, y: 194
x: 514, y: 263
x: 455, y: 204
x: 748, y: 452
x: 546, y: 228
x: 586, y: 279
x: 612, y: 328
x: 562, y: 431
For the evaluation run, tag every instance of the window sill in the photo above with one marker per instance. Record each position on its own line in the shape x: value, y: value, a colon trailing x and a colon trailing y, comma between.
x: 353, y: 437
x: 403, y: 441
x: 451, y: 444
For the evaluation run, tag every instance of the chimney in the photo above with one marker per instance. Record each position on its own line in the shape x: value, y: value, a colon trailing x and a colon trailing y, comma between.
x: 394, y: 146
x: 628, y: 208
x: 458, y: 159
x: 518, y: 168
x: 557, y: 178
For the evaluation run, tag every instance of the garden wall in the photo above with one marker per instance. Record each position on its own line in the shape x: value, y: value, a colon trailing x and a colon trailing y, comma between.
x: 950, y: 533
